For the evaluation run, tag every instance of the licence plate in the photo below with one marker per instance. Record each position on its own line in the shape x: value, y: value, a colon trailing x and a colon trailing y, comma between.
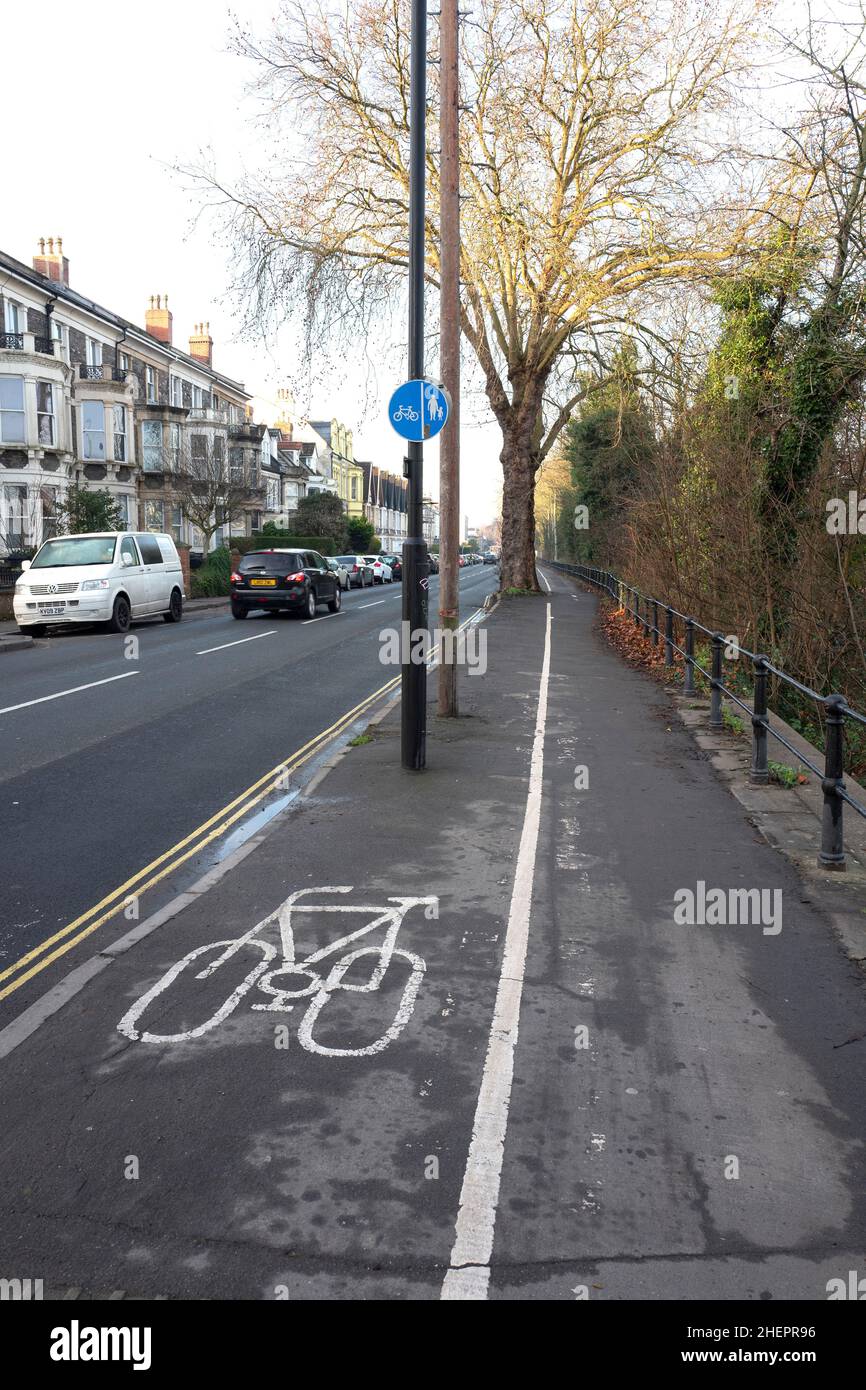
x: 51, y: 612
x: 270, y: 583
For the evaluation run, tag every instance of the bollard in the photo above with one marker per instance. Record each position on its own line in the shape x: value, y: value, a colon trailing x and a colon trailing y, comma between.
x: 669, y: 637
x: 832, y: 854
x: 716, y: 683
x: 758, y: 773
x: 655, y: 623
x: 689, y: 687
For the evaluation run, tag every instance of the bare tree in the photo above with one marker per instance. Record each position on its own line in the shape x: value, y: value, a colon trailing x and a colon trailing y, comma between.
x: 210, y: 489
x: 586, y: 172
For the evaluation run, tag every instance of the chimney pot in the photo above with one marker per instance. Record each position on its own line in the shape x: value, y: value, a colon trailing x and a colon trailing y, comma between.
x: 158, y: 319
x: 60, y: 246
x: 42, y: 245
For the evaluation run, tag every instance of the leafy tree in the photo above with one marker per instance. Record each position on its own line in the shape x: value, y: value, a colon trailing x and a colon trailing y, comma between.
x: 361, y: 534
x: 321, y: 514
x: 84, y: 510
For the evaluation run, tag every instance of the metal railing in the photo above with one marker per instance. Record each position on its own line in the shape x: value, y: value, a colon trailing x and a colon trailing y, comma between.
x: 646, y: 613
x: 13, y: 342
x: 44, y: 345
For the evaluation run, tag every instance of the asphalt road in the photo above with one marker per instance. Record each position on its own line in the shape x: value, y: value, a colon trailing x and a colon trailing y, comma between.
x: 96, y: 784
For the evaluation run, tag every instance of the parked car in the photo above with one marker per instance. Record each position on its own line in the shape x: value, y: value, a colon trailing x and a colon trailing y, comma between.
x: 461, y: 561
x: 359, y: 571
x: 489, y: 557
x: 108, y: 577
x: 339, y: 569
x: 396, y: 564
x: 296, y: 581
x: 381, y: 571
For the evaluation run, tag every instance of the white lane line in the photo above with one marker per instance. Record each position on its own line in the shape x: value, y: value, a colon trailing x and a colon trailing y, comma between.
x: 74, y: 691
x: 371, y: 605
x: 322, y: 618
x: 238, y: 643
x: 469, y: 1274
x: 545, y: 581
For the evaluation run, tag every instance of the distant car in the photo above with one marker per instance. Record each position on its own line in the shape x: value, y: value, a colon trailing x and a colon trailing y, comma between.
x: 381, y: 571
x: 434, y: 564
x: 340, y: 571
x: 396, y: 564
x: 461, y: 561
x: 489, y: 558
x: 360, y: 573
x: 294, y: 580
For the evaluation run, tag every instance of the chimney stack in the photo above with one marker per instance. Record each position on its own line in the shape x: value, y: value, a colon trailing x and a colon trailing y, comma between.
x: 201, y: 344
x: 157, y: 318
x: 51, y: 262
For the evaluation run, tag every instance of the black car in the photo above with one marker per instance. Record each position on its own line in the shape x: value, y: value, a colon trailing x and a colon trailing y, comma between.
x: 294, y: 580
x: 396, y: 563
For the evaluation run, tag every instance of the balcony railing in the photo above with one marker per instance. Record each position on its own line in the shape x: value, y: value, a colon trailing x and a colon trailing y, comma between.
x: 13, y: 342
x: 90, y: 371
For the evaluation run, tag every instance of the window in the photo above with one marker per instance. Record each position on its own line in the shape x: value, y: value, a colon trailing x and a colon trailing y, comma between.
x: 219, y: 450
x: 93, y: 429
x: 236, y: 465
x: 154, y: 521
x: 94, y: 353
x: 175, y: 387
x: 127, y: 547
x: 13, y: 509
x: 10, y: 317
x: 75, y: 550
x: 273, y: 498
x: 12, y: 410
x: 198, y: 447
x: 125, y: 506
x: 174, y: 446
x: 177, y: 522
x: 123, y: 361
x: 150, y: 381
x: 45, y: 412
x: 58, y: 331
x: 354, y: 489
x: 151, y: 447
x: 120, y: 434
x: 198, y: 397
x: 48, y: 499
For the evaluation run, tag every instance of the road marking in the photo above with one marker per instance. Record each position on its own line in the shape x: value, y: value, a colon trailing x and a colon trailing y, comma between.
x: 545, y: 581
x: 238, y: 643
x: 43, y: 699
x: 139, y: 884
x: 322, y: 618
x: 371, y: 605
x: 469, y: 1275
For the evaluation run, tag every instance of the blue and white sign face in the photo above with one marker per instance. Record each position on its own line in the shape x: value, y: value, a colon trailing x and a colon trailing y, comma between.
x: 419, y: 409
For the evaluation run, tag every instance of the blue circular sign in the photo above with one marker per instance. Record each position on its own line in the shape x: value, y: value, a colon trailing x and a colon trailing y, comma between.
x: 419, y: 409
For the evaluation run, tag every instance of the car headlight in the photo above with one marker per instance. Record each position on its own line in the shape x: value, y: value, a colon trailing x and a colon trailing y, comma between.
x: 95, y: 584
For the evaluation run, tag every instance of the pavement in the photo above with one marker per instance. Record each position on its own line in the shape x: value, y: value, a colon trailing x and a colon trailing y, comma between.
x: 679, y: 1114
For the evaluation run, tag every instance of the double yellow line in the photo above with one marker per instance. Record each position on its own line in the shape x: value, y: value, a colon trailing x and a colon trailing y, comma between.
x: 171, y: 859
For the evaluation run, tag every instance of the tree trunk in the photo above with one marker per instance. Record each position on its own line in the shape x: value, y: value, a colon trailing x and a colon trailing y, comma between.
x: 520, y: 463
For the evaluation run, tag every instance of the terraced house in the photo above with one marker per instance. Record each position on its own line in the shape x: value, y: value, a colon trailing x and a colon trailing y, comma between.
x: 88, y: 397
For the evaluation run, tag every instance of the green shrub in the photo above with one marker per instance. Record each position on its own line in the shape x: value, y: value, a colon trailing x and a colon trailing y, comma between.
x: 211, y: 580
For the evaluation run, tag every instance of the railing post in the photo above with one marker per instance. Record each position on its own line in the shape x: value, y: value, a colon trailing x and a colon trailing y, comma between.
x: 689, y: 687
x: 636, y: 607
x: 669, y: 637
x: 832, y: 854
x: 759, y: 774
x: 716, y: 683
x: 645, y: 618
x: 655, y: 623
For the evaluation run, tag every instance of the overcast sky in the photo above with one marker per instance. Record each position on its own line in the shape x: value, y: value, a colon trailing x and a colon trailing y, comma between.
x: 104, y: 99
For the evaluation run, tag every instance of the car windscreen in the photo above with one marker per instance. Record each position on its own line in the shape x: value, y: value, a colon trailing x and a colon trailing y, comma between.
x: 345, y: 559
x: 75, y: 550
x: 271, y: 562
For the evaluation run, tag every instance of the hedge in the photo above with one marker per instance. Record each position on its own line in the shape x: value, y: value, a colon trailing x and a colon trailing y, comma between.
x: 283, y: 541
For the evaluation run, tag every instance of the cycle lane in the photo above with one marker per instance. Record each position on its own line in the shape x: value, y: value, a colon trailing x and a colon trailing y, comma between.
x: 308, y: 1153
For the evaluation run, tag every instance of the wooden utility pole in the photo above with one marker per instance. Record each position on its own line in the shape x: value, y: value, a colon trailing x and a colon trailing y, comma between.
x: 449, y: 360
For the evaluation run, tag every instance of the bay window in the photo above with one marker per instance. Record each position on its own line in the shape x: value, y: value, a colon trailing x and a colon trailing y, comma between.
x: 151, y: 446
x: 120, y: 434
x: 150, y: 381
x: 46, y: 432
x: 154, y: 516
x: 12, y: 410
x: 93, y: 429
x: 174, y: 446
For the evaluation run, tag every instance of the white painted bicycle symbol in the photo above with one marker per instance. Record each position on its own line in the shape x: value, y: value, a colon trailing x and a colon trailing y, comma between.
x: 278, y: 981
x: 404, y: 413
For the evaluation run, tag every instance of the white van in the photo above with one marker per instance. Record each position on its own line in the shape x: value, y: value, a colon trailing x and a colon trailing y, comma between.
x: 104, y: 577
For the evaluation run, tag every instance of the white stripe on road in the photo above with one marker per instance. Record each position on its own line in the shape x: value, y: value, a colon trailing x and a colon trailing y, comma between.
x: 322, y: 618
x: 74, y: 691
x: 238, y: 643
x: 545, y: 581
x: 371, y: 605
x: 469, y: 1274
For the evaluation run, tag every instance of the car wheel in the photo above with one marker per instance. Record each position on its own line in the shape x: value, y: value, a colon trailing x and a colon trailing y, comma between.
x: 311, y: 604
x: 33, y: 630
x: 121, y: 616
x: 336, y: 601
x: 175, y: 608
x: 239, y: 610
